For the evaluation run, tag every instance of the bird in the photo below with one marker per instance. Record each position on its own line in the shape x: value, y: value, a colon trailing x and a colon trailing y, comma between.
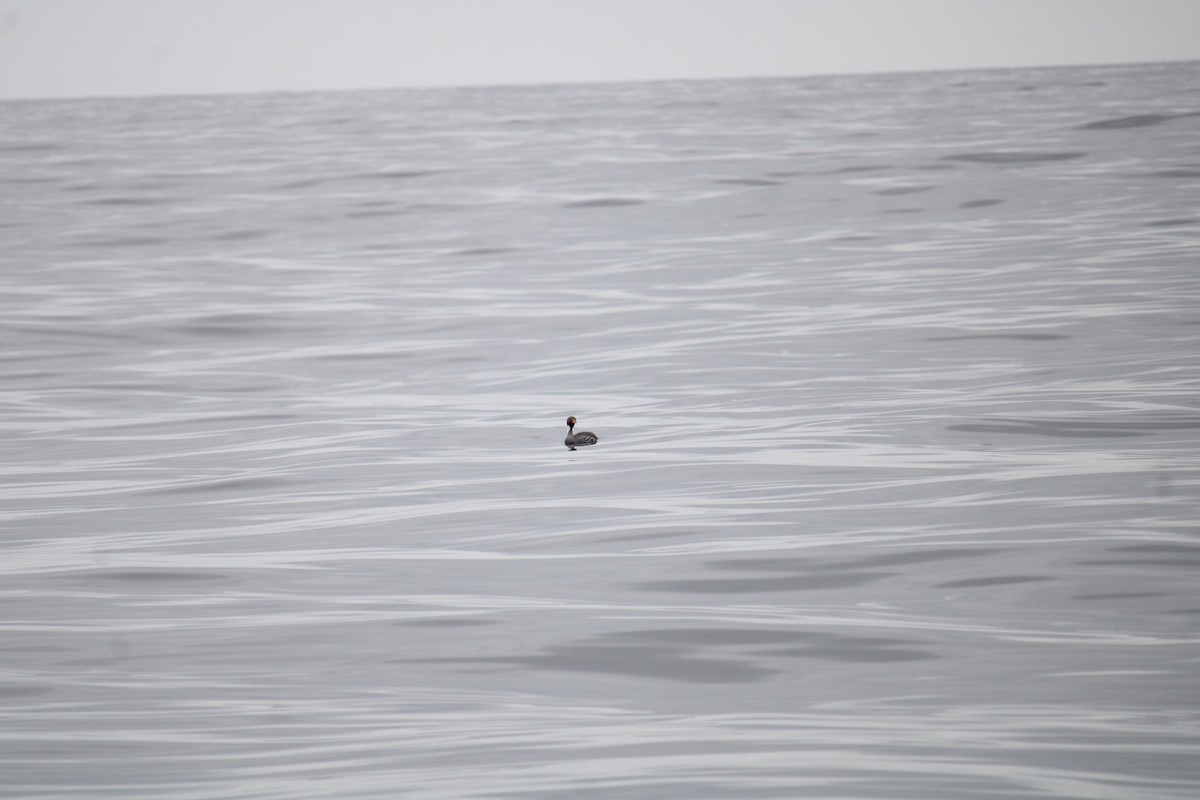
x: 581, y: 439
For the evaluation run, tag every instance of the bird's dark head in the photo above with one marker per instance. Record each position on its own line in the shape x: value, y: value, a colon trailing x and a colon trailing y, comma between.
x: 570, y: 422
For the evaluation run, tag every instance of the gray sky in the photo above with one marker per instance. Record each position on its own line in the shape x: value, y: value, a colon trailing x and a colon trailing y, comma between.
x: 70, y: 48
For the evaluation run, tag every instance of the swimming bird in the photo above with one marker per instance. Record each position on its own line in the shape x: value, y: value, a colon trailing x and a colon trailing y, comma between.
x: 581, y: 439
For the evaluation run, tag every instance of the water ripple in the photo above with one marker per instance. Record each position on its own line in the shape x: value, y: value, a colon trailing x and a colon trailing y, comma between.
x: 891, y: 499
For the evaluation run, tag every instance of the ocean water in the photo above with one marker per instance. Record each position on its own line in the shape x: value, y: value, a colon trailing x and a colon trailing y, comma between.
x: 897, y: 385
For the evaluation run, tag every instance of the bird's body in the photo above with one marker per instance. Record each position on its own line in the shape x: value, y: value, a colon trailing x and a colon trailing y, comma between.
x: 580, y: 439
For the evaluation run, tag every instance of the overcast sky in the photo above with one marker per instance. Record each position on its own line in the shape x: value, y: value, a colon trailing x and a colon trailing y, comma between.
x: 70, y: 48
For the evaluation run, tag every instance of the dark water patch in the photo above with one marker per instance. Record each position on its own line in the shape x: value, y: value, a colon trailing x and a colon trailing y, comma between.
x: 791, y: 583
x: 333, y: 122
x: 789, y: 173
x: 222, y: 485
x: 855, y: 238
x: 801, y: 644
x: 1173, y: 223
x: 383, y: 175
x: 84, y: 161
x: 1081, y: 429
x: 54, y: 329
x: 604, y: 202
x: 748, y: 182
x: 1044, y: 429
x: 629, y: 660
x: 236, y: 324
x: 893, y: 559
x: 1169, y: 563
x: 937, y: 167
x: 389, y: 212
x: 898, y: 190
x: 454, y: 207
x: 122, y: 241
x: 30, y: 147
x: 1003, y: 580
x: 222, y: 422
x: 1020, y: 337
x: 1184, y: 612
x: 906, y: 210
x: 303, y: 183
x: 484, y: 251
x: 397, y: 174
x: 859, y: 168
x: 154, y: 184
x: 1173, y: 556
x: 1133, y: 121
x: 1119, y: 595
x: 128, y: 200
x: 36, y: 648
x: 149, y: 576
x: 689, y: 104
x: 365, y: 356
x: 33, y: 179
x: 645, y: 661
x: 1185, y: 172
x: 980, y: 203
x: 122, y: 386
x: 18, y: 691
x: 447, y: 622
x: 241, y: 236
x: 639, y: 537
x: 714, y: 636
x: 1159, y: 547
x: 850, y: 650
x: 1013, y: 157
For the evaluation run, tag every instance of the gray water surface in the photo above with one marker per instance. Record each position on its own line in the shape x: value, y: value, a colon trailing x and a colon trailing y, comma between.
x: 897, y: 384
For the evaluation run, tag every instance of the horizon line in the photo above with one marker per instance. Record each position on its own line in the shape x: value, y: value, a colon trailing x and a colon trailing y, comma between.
x: 584, y: 82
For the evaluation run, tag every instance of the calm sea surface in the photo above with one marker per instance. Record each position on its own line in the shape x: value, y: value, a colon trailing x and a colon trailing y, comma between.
x: 897, y: 495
